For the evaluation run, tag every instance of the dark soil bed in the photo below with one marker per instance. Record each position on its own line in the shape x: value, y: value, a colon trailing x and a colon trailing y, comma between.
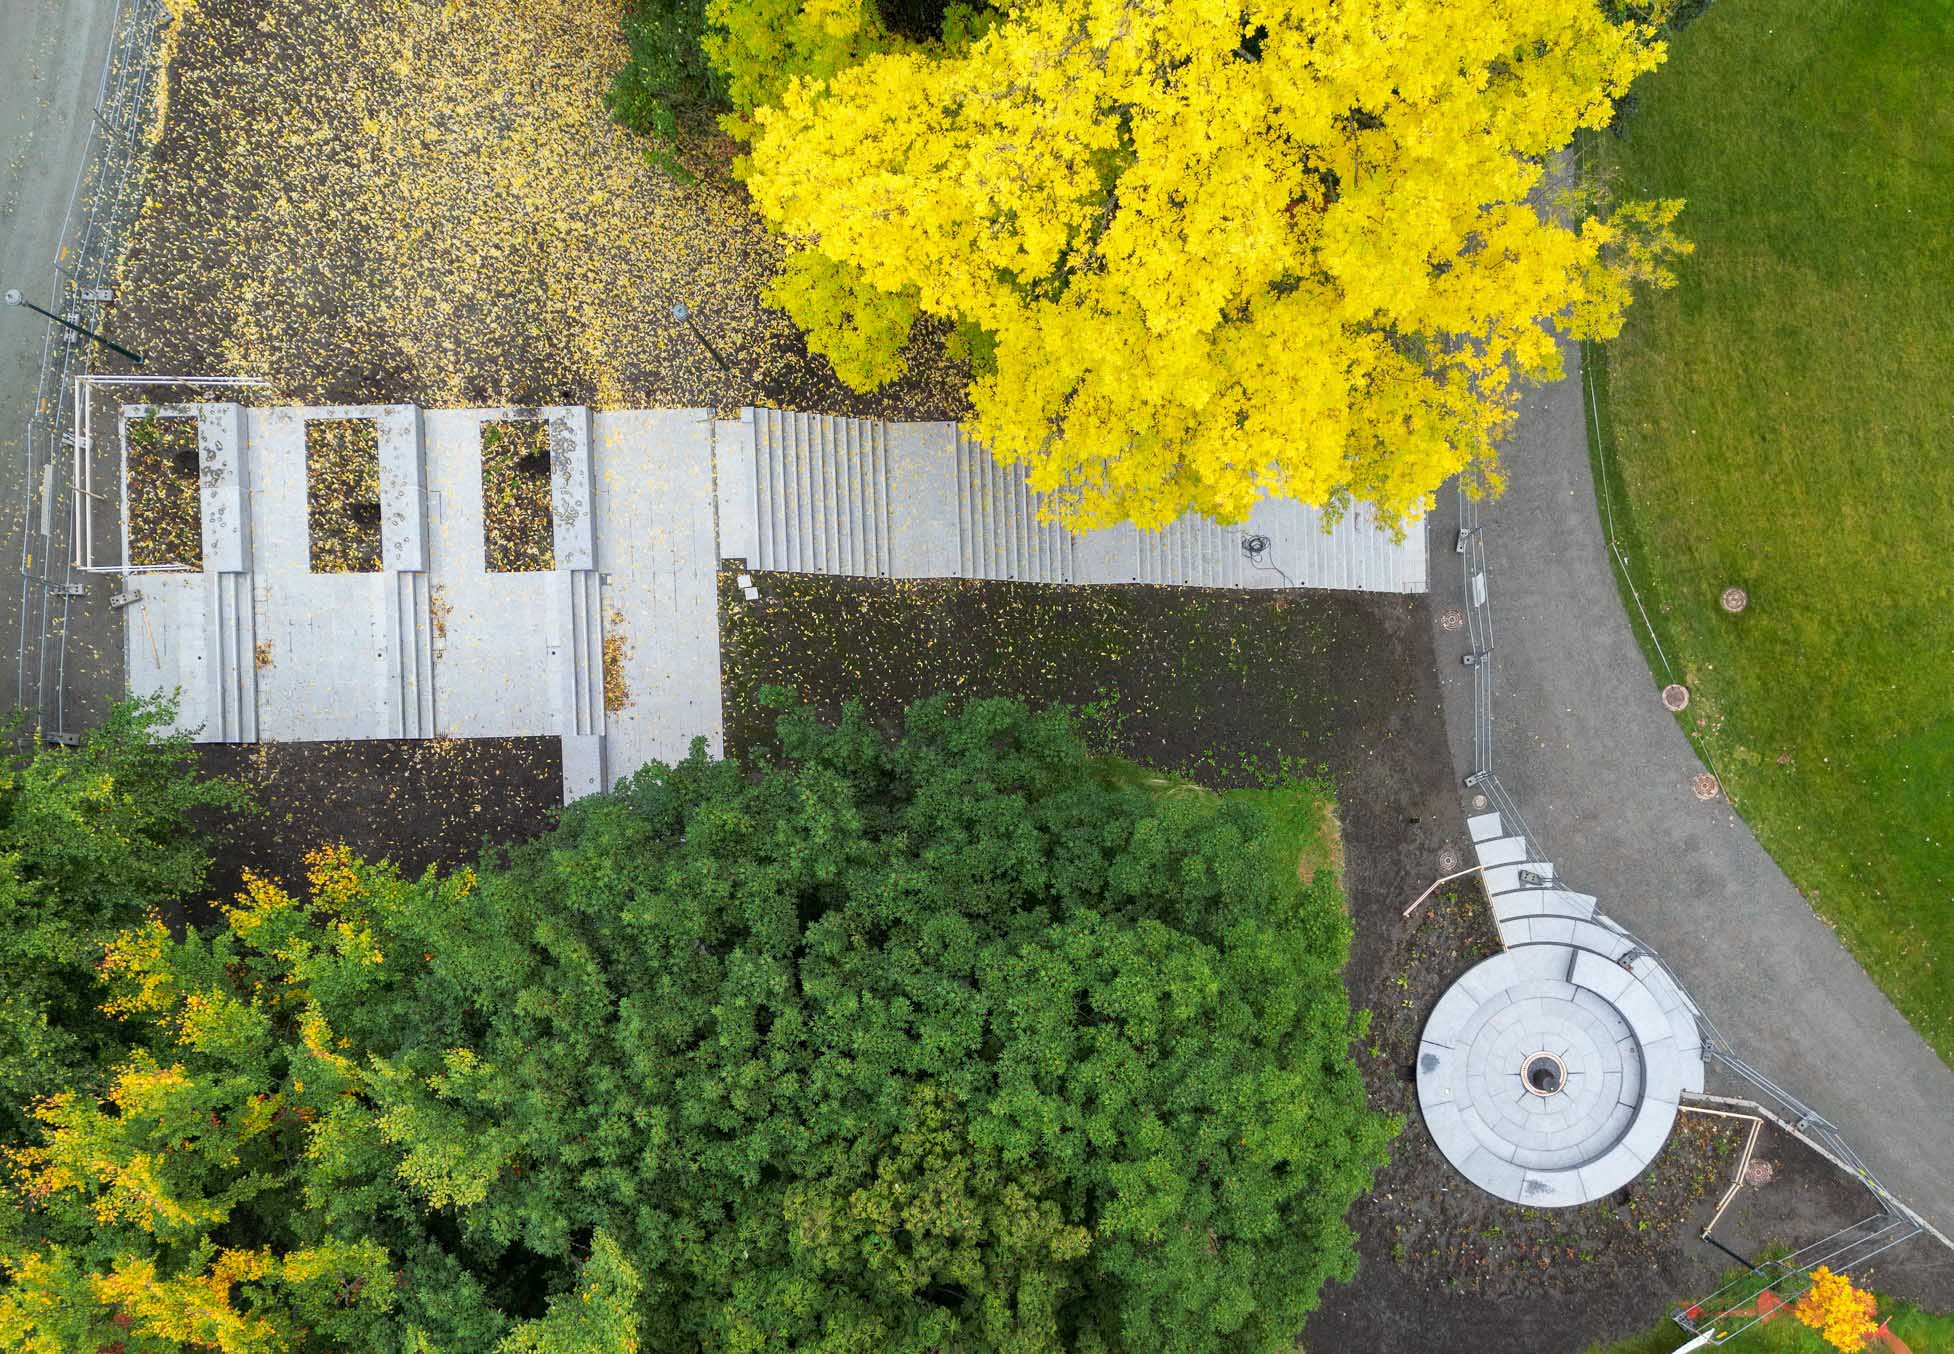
x: 342, y: 494
x: 372, y: 202
x: 416, y: 803
x: 516, y: 522
x: 1224, y: 686
x: 165, y: 506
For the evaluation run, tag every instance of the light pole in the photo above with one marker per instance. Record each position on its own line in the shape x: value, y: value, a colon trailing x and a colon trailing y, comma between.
x: 683, y: 314
x: 14, y: 298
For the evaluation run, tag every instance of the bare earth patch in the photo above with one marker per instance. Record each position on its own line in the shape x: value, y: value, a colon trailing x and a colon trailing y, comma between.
x: 517, y: 527
x: 165, y: 507
x: 342, y: 495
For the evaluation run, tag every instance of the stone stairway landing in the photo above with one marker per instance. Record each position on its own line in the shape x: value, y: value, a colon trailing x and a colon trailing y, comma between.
x: 808, y: 493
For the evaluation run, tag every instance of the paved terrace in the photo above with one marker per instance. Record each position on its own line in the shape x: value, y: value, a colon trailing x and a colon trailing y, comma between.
x: 1551, y: 1073
x: 645, y: 506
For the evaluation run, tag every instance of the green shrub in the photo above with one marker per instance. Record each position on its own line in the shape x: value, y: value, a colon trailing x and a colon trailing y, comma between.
x: 667, y: 76
x: 91, y: 838
x: 946, y: 1041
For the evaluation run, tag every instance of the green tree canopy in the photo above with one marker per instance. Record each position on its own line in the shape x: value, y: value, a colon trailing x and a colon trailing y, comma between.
x: 90, y: 839
x: 960, y: 1040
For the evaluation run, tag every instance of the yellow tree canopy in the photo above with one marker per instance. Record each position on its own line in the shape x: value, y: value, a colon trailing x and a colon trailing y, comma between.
x: 1207, y: 252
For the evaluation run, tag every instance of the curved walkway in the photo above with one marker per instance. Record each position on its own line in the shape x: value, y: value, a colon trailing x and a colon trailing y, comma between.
x: 1603, y: 774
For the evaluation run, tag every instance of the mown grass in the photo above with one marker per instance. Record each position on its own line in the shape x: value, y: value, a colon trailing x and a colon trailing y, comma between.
x: 1923, y: 1334
x: 1783, y: 421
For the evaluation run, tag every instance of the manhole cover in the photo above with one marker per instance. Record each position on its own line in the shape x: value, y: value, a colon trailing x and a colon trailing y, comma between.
x: 1758, y: 1173
x: 1448, y: 860
x: 1451, y: 619
x: 1735, y: 600
x: 1706, y: 786
x: 1479, y: 801
x: 1676, y: 697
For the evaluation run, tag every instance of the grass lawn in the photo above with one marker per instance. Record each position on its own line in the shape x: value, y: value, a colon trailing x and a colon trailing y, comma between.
x: 1923, y: 1335
x: 1784, y: 421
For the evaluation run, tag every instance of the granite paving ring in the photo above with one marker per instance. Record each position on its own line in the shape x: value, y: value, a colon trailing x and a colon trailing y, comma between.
x: 1550, y: 1074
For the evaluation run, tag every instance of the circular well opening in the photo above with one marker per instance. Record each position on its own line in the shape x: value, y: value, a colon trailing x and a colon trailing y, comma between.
x: 1543, y: 1074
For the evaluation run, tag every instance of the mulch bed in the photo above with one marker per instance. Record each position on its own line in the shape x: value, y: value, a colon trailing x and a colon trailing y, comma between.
x: 1217, y: 685
x: 165, y: 505
x: 417, y: 803
x: 516, y: 522
x: 342, y: 494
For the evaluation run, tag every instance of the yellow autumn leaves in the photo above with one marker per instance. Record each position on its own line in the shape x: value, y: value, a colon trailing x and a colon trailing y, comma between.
x: 1202, y: 258
x: 1844, y: 1316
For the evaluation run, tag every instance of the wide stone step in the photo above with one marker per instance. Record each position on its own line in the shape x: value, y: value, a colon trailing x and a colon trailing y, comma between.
x: 1000, y: 531
x: 925, y: 500
x: 1517, y: 903
x: 1501, y: 851
x: 1575, y: 933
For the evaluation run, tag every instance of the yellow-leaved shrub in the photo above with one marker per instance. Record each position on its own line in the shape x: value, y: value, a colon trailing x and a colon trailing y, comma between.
x: 1843, y: 1315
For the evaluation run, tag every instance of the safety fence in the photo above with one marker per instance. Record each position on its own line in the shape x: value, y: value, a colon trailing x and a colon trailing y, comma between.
x: 80, y: 287
x: 1777, y: 1104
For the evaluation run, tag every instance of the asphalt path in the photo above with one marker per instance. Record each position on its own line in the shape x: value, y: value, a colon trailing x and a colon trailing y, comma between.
x: 51, y: 54
x: 1604, y: 777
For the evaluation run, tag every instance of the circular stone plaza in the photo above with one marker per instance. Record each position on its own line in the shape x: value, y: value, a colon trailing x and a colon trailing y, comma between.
x: 1550, y: 1074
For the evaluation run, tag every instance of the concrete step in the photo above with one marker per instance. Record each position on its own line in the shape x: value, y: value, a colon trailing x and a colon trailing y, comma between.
x: 1193, y: 552
x: 1501, y: 851
x: 230, y: 643
x: 577, y: 622
x: 1682, y: 1014
x: 1516, y: 903
x: 1576, y: 935
x: 999, y: 531
x: 925, y: 500
x: 410, y: 655
x: 821, y: 494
